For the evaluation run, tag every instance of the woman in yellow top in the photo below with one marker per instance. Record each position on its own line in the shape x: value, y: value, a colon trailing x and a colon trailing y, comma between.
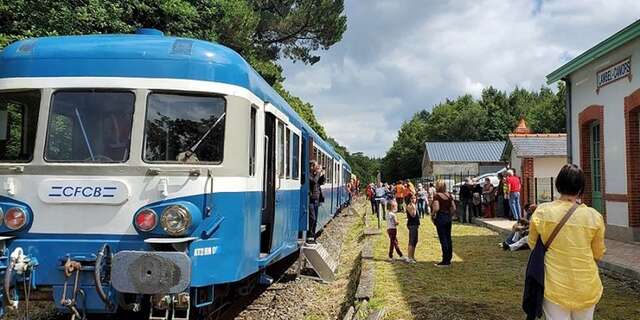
x: 572, y: 285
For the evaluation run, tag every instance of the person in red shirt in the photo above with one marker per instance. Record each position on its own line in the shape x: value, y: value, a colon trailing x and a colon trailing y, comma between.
x: 514, y: 185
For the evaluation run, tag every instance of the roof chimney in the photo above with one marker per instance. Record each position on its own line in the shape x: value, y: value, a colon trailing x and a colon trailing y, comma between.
x: 522, y: 128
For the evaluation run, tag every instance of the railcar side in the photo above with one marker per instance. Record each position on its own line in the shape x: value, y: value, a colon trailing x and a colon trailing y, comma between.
x: 144, y: 168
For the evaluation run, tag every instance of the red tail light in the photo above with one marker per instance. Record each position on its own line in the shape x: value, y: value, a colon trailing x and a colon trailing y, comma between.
x: 146, y: 220
x: 15, y: 218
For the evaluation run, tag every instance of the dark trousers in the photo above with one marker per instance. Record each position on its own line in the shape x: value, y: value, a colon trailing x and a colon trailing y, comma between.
x: 477, y: 210
x: 400, y: 202
x: 393, y: 242
x: 373, y: 205
x: 313, y: 217
x: 443, y: 226
x: 467, y: 210
x: 380, y: 203
x: 507, y: 210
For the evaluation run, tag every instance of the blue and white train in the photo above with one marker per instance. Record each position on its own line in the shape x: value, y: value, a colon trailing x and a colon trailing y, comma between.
x: 146, y: 173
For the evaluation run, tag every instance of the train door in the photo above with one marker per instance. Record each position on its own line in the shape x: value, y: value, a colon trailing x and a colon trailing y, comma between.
x: 269, y: 192
x: 305, y: 158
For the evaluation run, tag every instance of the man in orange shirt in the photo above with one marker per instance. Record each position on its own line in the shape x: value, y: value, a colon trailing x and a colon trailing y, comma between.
x: 400, y: 192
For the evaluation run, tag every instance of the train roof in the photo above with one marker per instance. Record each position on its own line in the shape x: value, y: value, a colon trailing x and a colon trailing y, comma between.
x: 149, y: 54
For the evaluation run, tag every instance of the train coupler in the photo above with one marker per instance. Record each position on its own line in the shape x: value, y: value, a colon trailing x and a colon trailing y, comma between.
x: 20, y: 273
x: 73, y: 269
x: 176, y: 307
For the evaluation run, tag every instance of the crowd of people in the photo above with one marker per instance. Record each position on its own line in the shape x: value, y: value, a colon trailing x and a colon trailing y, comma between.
x: 481, y: 198
x: 572, y: 285
x: 387, y: 200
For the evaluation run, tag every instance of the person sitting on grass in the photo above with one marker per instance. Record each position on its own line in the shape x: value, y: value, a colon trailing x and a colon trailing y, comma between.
x: 518, y: 237
x: 392, y: 230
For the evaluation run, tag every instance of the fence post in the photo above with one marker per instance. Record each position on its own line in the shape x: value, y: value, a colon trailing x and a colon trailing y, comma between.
x: 535, y: 193
x: 552, y: 189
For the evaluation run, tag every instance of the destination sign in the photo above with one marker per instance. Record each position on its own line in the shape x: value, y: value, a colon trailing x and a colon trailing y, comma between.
x: 614, y: 73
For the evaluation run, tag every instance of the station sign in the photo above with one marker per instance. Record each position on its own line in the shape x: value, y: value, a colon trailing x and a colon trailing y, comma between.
x: 614, y: 73
x: 109, y: 192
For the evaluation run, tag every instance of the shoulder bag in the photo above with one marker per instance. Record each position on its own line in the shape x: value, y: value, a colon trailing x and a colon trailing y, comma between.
x: 533, y: 295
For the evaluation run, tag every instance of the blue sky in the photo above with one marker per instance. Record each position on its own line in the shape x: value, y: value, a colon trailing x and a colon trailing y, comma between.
x: 401, y: 56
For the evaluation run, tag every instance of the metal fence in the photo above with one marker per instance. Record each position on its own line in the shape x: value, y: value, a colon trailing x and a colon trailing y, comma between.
x: 539, y: 190
x: 534, y: 189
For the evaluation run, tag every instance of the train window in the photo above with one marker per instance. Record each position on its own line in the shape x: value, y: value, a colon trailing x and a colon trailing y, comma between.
x: 287, y: 152
x: 18, y: 124
x: 184, y: 128
x: 252, y: 143
x: 280, y: 145
x: 295, y: 157
x: 90, y: 126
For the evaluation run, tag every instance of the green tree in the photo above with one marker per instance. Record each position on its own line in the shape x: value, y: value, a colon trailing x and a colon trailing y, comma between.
x: 404, y: 158
x: 262, y: 31
x: 304, y: 109
x: 492, y: 117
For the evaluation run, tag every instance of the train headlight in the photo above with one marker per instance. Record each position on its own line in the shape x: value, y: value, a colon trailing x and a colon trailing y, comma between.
x: 15, y: 218
x: 175, y: 220
x: 146, y: 220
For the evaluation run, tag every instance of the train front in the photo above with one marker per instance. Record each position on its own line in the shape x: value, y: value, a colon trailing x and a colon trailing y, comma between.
x: 114, y: 189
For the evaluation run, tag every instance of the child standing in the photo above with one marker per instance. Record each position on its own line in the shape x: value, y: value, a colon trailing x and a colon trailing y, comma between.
x: 392, y: 229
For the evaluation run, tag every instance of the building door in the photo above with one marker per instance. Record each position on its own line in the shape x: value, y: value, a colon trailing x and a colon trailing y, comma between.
x: 596, y: 173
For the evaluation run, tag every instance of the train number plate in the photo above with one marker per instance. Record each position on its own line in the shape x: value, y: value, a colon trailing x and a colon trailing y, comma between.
x: 112, y: 192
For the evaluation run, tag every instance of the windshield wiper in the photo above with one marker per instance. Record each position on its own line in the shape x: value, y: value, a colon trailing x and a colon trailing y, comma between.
x: 84, y: 134
x: 186, y: 155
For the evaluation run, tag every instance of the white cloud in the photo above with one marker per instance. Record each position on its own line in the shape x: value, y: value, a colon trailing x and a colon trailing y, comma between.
x: 398, y: 57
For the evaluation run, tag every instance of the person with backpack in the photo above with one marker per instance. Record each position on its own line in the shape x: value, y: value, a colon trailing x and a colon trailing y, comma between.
x: 568, y: 241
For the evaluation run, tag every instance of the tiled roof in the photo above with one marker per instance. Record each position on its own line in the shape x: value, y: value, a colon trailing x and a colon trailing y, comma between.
x: 475, y: 151
x: 539, y: 145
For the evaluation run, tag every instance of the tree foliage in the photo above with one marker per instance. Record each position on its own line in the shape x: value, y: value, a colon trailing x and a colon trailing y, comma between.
x: 491, y: 117
x: 364, y: 167
x: 262, y: 31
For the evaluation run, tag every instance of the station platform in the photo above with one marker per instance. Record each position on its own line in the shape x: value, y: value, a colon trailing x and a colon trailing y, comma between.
x: 621, y: 257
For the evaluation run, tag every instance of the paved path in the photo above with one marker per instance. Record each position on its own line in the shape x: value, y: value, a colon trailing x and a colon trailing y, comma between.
x: 621, y: 257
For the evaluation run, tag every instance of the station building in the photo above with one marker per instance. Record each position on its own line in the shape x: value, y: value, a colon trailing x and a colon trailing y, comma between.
x: 603, y: 111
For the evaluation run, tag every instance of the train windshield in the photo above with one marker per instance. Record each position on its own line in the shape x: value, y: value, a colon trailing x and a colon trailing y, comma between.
x: 90, y: 126
x: 18, y: 124
x: 184, y: 128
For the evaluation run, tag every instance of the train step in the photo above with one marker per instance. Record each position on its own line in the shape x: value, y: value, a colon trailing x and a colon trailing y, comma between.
x: 320, y: 262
